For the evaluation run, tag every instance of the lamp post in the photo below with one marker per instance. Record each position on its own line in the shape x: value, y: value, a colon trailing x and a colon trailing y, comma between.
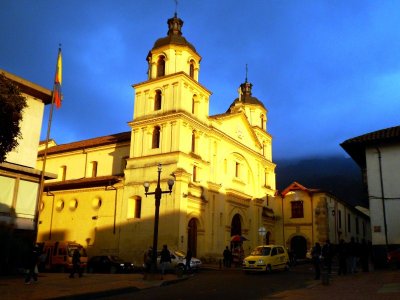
x: 157, y: 194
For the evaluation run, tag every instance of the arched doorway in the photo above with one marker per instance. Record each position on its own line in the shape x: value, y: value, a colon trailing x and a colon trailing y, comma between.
x: 236, y: 225
x: 298, y: 245
x: 192, y: 236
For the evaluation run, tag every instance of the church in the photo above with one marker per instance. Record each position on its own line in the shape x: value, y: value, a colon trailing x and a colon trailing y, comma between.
x: 220, y: 165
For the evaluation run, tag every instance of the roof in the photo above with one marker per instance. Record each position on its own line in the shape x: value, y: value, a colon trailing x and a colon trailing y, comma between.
x: 82, y: 183
x: 174, y: 35
x: 355, y: 147
x: 94, y: 142
x: 29, y: 88
x: 295, y: 186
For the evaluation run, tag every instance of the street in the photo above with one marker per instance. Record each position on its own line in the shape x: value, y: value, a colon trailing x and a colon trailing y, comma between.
x: 228, y: 284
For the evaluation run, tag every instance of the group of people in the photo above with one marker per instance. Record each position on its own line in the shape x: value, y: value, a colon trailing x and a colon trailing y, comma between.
x: 349, y: 255
x: 36, y: 258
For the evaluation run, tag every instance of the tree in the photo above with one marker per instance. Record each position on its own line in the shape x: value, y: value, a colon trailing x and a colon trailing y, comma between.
x: 12, y: 104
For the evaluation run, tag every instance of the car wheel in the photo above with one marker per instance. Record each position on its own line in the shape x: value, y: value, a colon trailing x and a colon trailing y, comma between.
x: 113, y: 270
x: 287, y: 267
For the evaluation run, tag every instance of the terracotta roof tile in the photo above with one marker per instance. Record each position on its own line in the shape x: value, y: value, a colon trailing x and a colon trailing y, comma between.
x: 94, y: 142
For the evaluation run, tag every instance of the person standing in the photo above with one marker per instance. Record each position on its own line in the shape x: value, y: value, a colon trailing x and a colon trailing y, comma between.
x: 227, y: 257
x: 165, y: 259
x: 32, y: 261
x: 76, y: 264
x: 327, y: 254
x: 188, y: 259
x: 316, y: 254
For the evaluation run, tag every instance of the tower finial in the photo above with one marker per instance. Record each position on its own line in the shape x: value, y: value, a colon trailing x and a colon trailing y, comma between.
x: 246, y: 74
x: 176, y: 8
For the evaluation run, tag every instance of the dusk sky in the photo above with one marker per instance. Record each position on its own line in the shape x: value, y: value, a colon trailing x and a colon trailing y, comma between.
x: 326, y: 70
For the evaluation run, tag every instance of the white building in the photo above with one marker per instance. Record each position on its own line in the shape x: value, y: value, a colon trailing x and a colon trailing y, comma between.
x: 378, y: 155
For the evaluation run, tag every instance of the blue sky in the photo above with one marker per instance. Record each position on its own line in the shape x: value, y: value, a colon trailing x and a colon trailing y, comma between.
x: 326, y: 70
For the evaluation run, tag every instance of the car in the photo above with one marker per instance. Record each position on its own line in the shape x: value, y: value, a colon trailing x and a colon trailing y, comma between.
x: 109, y: 264
x: 178, y: 261
x: 393, y: 258
x: 266, y: 258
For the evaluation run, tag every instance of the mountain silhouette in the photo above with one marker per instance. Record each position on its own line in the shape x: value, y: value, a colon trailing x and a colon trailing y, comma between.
x: 338, y: 175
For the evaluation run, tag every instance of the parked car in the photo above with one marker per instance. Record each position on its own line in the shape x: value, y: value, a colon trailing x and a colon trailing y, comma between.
x: 266, y: 258
x: 109, y: 264
x: 393, y: 258
x: 178, y: 261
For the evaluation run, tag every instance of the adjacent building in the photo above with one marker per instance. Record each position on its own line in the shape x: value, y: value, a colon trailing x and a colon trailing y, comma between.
x: 378, y: 155
x: 20, y: 179
x: 313, y: 215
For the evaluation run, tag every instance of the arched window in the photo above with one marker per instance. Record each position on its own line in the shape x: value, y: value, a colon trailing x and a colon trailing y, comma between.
x: 156, y: 137
x: 194, y: 141
x: 194, y: 173
x: 194, y: 104
x: 161, y: 66
x: 94, y: 168
x: 191, y: 69
x: 157, y: 100
x: 262, y: 121
x: 62, y: 173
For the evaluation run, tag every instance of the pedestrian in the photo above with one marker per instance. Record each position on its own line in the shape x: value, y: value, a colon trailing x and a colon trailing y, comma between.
x: 165, y: 259
x: 148, y: 258
x: 316, y: 259
x: 352, y: 250
x: 31, y: 265
x: 342, y: 256
x: 188, y: 259
x: 364, y: 256
x: 327, y: 254
x: 227, y: 257
x: 76, y: 264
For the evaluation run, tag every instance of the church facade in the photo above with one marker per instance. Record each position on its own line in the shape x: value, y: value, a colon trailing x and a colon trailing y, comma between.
x: 224, y: 176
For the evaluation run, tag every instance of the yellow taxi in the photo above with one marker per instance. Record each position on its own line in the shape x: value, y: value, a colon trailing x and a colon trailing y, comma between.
x: 266, y: 258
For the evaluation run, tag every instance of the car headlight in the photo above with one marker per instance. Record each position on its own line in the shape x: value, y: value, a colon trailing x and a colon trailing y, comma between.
x: 121, y: 265
x: 260, y: 261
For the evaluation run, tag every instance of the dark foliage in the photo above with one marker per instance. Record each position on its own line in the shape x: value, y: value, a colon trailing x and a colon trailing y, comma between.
x: 12, y: 104
x: 339, y: 175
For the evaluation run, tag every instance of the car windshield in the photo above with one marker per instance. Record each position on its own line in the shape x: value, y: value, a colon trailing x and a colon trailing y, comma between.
x: 180, y: 254
x: 116, y: 259
x: 261, y: 251
x: 72, y: 248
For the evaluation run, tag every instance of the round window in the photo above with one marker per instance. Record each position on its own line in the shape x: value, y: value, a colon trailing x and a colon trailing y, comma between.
x: 73, y: 204
x: 96, y: 203
x: 60, y: 205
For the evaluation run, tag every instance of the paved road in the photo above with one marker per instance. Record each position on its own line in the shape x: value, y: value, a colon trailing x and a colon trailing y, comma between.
x: 228, y: 284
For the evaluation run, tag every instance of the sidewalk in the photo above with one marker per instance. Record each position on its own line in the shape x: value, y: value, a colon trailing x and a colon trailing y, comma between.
x: 378, y: 284
x: 90, y: 286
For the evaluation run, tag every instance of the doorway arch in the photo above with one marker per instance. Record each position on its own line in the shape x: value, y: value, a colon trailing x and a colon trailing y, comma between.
x: 192, y: 236
x: 236, y: 225
x: 298, y: 245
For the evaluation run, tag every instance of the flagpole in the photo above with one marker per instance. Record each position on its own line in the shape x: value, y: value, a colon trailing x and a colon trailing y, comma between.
x: 41, y: 184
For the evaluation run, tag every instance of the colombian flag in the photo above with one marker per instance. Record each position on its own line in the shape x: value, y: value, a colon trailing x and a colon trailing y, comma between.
x: 57, y: 81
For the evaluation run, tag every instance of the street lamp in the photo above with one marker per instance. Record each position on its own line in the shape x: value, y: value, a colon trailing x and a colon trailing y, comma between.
x: 157, y: 194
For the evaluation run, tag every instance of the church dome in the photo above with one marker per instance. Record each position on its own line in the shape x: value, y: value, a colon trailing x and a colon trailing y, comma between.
x: 245, y: 97
x: 174, y: 35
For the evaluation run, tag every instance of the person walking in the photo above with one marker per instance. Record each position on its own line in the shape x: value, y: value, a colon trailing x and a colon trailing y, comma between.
x: 148, y: 259
x: 76, y: 264
x: 316, y: 254
x: 188, y: 259
x: 342, y: 256
x: 31, y: 265
x: 227, y: 257
x: 165, y: 259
